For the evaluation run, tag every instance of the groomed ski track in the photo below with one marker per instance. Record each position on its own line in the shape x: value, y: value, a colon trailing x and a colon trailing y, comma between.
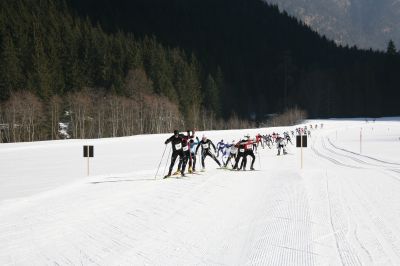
x: 342, y: 208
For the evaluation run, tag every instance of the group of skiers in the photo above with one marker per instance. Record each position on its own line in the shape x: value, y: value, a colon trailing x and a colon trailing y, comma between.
x: 186, y: 147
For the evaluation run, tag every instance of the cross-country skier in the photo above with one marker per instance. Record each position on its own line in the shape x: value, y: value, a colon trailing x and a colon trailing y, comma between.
x: 233, y: 149
x: 186, y: 151
x: 206, y: 145
x: 177, y: 142
x: 259, y: 140
x: 248, y: 151
x: 192, y: 158
x: 220, y: 147
x: 280, y: 144
x: 241, y: 149
x: 287, y: 137
x: 268, y: 140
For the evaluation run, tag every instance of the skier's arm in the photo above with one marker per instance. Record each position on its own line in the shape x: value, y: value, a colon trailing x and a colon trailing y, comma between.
x: 168, y: 140
x: 212, y: 144
x: 198, y: 146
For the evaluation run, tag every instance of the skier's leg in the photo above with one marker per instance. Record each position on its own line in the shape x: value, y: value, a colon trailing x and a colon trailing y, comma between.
x: 253, y: 159
x: 194, y: 162
x: 215, y: 158
x: 236, y: 162
x: 190, y: 161
x: 244, y: 162
x: 228, y: 160
x: 203, y: 157
x: 181, y: 159
x: 186, y: 156
x: 173, y: 159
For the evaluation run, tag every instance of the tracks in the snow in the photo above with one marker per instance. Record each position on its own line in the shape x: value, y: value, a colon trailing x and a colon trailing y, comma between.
x: 346, y: 158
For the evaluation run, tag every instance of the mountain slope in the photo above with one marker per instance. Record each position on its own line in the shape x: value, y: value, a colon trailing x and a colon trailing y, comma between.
x: 268, y: 60
x: 364, y: 23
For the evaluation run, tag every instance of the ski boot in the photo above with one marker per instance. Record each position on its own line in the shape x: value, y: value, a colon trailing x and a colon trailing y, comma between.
x: 252, y: 168
x: 190, y: 170
x: 177, y: 172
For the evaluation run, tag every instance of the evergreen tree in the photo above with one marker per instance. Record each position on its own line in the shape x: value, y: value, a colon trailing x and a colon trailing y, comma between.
x: 10, y: 70
x: 391, y: 48
x: 212, y: 99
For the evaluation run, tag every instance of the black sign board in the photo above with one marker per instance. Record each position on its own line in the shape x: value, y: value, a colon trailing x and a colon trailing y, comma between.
x: 88, y: 151
x: 298, y: 141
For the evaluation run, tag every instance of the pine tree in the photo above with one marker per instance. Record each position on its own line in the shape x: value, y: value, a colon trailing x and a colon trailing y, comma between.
x: 212, y: 98
x: 10, y: 70
x: 40, y: 76
x: 391, y: 48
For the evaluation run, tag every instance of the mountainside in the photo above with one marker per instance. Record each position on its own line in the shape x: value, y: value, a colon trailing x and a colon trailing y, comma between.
x: 269, y: 60
x: 364, y: 23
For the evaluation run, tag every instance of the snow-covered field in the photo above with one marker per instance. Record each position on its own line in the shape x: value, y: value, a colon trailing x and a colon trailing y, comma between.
x: 342, y: 208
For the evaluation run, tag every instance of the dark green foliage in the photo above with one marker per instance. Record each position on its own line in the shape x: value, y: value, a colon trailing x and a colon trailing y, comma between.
x: 391, y: 48
x: 269, y: 60
x: 211, y: 99
x: 47, y: 49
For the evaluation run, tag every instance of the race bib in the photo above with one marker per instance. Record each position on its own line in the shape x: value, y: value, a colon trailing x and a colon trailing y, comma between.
x: 241, y: 150
x: 205, y: 146
x: 178, y: 146
x: 185, y: 148
x: 249, y: 146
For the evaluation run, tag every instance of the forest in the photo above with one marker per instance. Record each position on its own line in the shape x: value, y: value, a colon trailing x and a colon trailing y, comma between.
x: 57, y: 67
x: 269, y: 60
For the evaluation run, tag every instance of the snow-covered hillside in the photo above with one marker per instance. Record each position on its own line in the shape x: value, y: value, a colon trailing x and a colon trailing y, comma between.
x: 342, y: 208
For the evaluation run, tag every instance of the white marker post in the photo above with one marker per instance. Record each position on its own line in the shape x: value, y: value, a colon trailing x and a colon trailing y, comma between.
x: 88, y: 151
x: 301, y: 150
x: 301, y: 141
x: 360, y: 140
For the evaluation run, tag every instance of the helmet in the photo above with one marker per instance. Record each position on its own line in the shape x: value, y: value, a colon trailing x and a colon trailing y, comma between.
x: 247, y: 136
x: 204, y: 138
x: 176, y: 132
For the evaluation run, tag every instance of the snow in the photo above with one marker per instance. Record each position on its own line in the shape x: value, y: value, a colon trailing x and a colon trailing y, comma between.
x: 342, y: 208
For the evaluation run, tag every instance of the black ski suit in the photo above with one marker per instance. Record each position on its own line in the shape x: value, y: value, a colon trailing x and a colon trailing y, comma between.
x: 241, y: 150
x: 177, y: 143
x: 206, y: 146
x: 186, y: 150
x: 248, y: 147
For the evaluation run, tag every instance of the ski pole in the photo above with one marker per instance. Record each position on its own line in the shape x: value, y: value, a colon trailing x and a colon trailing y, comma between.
x: 259, y: 159
x: 169, y: 153
x: 162, y: 157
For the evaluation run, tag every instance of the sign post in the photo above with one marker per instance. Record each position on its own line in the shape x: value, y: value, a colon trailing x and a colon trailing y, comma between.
x: 301, y: 141
x: 360, y: 140
x: 88, y: 151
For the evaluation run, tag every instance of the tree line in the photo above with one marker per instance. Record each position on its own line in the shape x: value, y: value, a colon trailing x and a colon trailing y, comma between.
x: 269, y: 60
x: 57, y: 67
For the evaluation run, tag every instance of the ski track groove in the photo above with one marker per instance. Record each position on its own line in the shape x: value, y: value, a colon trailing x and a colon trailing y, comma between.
x: 379, y: 223
x: 277, y: 228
